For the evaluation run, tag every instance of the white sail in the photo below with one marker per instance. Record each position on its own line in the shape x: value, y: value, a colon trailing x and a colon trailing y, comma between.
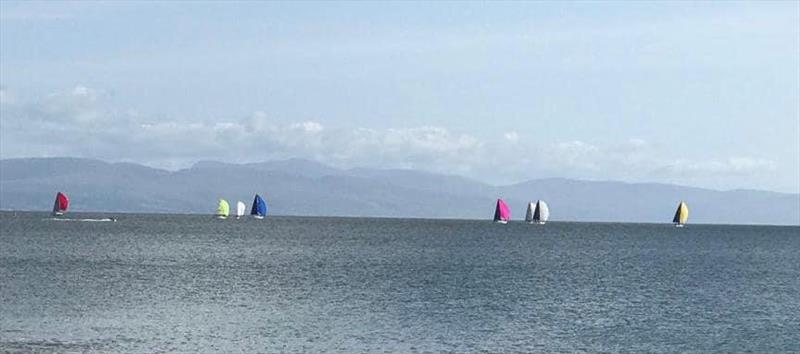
x: 240, y: 208
x: 529, y: 213
x: 544, y: 211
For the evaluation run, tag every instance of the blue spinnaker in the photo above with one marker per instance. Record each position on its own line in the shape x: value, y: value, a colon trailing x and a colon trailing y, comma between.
x: 259, y: 206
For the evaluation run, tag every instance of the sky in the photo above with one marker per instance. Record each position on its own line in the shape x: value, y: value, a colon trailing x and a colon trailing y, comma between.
x: 701, y: 94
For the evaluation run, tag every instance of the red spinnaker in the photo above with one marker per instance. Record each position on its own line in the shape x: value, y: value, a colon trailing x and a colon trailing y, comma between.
x: 62, y: 202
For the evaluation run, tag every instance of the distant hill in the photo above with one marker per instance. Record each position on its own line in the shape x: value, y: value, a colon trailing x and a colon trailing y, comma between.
x: 302, y: 187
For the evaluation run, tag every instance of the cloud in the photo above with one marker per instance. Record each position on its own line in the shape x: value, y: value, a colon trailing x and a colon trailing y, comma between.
x: 736, y: 166
x: 308, y: 127
x: 511, y: 136
x: 81, y: 122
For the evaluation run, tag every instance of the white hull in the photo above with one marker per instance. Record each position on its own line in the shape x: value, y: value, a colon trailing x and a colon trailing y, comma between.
x: 259, y: 217
x: 541, y: 222
x: 58, y: 213
x: 678, y: 225
x: 501, y: 222
x: 221, y: 217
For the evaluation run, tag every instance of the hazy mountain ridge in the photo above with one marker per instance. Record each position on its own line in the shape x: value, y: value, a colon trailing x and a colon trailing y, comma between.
x: 302, y: 187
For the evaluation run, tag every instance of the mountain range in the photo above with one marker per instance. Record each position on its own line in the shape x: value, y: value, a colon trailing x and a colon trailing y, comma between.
x: 303, y: 187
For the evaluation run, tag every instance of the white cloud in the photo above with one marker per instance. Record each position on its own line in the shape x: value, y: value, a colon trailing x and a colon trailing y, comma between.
x: 308, y: 127
x: 511, y: 136
x: 740, y: 166
x: 79, y: 122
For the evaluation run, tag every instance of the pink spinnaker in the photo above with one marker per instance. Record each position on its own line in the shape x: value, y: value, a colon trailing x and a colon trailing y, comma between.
x: 502, y: 212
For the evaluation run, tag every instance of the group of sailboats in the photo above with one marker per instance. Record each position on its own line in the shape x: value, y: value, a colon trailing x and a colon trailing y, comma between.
x: 258, y: 210
x: 537, y: 213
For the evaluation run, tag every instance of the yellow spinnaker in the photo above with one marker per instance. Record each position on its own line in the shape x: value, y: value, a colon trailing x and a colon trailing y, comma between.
x: 682, y: 214
x: 223, y: 209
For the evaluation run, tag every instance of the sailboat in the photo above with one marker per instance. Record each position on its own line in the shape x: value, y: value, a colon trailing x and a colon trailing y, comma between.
x: 538, y: 212
x: 61, y: 204
x: 259, y: 209
x: 240, y: 208
x: 681, y: 215
x: 501, y: 212
x: 223, y: 210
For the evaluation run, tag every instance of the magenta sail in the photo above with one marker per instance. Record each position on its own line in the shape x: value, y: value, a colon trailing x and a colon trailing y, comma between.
x: 502, y: 213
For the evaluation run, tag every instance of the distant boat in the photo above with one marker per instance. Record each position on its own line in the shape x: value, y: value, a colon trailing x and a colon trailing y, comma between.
x: 537, y: 212
x: 240, y: 209
x: 259, y: 209
x: 61, y: 204
x: 502, y: 214
x: 223, y: 210
x: 681, y: 215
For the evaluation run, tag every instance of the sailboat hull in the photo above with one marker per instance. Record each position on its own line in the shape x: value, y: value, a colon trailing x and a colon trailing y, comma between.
x: 501, y: 222
x: 221, y: 217
x: 259, y: 217
x: 678, y: 225
x: 58, y: 213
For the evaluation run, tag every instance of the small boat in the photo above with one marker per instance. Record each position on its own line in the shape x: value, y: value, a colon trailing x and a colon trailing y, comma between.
x: 538, y: 212
x: 502, y: 214
x: 61, y: 204
x: 240, y: 208
x: 681, y: 215
x: 259, y: 209
x: 223, y: 209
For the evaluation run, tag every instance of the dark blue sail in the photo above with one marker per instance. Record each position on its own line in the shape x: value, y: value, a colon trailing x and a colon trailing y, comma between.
x: 259, y: 206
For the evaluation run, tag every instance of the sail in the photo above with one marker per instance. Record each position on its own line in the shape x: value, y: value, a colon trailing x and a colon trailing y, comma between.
x: 542, y: 211
x: 259, y: 206
x: 61, y: 204
x: 529, y: 213
x: 223, y: 209
x: 502, y: 212
x: 682, y: 214
x: 240, y: 208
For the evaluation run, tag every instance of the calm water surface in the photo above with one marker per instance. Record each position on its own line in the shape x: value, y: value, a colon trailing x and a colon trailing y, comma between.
x: 177, y: 283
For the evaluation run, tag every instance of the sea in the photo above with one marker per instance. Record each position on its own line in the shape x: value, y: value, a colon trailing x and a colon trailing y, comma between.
x: 191, y: 283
